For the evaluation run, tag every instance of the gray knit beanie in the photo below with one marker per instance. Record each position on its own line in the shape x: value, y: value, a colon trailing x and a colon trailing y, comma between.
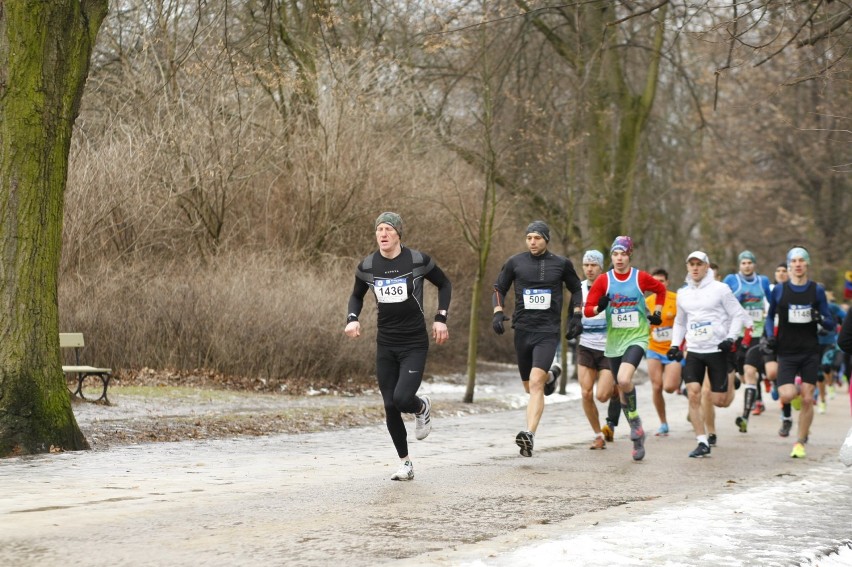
x: 392, y: 219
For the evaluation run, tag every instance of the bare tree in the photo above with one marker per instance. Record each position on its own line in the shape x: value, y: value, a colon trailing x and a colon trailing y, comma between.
x: 469, y: 93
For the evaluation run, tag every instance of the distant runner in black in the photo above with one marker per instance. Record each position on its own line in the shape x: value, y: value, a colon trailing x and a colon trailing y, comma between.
x: 396, y: 274
x: 802, y: 308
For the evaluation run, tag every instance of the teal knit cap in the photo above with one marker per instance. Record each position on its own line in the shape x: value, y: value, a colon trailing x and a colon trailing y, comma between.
x: 746, y: 255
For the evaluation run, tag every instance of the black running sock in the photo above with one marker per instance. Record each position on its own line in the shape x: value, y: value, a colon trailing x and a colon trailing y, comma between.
x: 613, y: 411
x: 750, y: 392
x: 787, y: 411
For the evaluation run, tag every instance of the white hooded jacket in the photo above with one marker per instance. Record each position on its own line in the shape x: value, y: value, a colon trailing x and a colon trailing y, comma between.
x: 707, y: 314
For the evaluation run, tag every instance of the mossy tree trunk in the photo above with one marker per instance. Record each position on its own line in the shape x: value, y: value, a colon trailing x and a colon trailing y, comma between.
x: 616, y: 115
x: 45, y: 46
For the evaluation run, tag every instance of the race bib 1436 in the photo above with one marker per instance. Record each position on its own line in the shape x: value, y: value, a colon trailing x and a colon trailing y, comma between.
x: 391, y: 291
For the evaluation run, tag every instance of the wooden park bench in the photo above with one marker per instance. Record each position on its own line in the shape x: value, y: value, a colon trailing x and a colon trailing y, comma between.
x: 77, y: 374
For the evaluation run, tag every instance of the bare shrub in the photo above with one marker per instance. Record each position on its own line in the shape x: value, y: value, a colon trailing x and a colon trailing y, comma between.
x: 256, y: 315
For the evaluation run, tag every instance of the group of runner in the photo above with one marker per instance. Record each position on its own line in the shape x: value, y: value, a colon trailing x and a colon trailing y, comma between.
x: 700, y: 336
x: 714, y: 322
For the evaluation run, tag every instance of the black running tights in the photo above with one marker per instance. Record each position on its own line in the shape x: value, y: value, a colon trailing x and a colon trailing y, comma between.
x: 400, y: 371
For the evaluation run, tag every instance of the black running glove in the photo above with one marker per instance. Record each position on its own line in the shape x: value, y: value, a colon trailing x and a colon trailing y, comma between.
x: 674, y: 354
x: 726, y: 345
x: 816, y: 315
x: 497, y: 322
x: 575, y: 326
x: 818, y: 318
x: 602, y: 303
x: 655, y: 318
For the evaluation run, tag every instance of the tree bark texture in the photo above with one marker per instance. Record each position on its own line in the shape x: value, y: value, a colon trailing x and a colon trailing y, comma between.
x: 486, y: 214
x: 45, y: 46
x: 614, y: 116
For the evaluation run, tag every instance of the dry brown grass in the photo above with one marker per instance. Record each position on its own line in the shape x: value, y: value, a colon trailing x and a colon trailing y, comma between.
x: 253, y: 316
x: 259, y: 316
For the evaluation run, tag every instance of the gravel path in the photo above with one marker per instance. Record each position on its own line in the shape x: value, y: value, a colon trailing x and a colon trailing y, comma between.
x: 325, y: 497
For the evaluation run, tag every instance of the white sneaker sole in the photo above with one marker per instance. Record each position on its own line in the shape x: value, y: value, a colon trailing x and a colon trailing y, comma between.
x: 422, y: 431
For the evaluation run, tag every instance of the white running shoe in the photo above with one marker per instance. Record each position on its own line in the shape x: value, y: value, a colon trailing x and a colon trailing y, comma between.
x: 423, y: 421
x: 404, y: 472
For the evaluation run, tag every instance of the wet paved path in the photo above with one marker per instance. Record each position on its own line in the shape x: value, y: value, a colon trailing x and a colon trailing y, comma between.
x: 325, y: 498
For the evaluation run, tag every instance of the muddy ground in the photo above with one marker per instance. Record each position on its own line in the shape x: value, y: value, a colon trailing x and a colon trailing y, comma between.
x: 162, y: 406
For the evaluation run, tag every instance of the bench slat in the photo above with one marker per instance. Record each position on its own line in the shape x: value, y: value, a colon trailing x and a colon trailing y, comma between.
x: 71, y: 340
x: 86, y: 369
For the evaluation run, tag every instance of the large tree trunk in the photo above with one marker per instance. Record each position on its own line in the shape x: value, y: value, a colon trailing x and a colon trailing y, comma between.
x: 615, y: 117
x: 45, y: 47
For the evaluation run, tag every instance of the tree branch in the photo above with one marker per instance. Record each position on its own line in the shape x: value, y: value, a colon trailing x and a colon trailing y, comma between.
x: 812, y: 40
x: 794, y: 36
x: 637, y: 14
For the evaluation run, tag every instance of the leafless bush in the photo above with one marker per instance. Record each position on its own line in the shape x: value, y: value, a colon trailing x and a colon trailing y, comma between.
x: 257, y: 316
x: 206, y: 172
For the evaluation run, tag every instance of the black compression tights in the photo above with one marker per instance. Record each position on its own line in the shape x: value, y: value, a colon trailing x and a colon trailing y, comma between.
x: 400, y: 372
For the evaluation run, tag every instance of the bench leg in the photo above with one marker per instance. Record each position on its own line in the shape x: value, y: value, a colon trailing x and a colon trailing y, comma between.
x: 78, y: 391
x: 104, y: 380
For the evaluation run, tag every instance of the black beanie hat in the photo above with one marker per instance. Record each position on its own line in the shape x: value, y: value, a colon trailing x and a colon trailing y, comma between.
x: 539, y: 227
